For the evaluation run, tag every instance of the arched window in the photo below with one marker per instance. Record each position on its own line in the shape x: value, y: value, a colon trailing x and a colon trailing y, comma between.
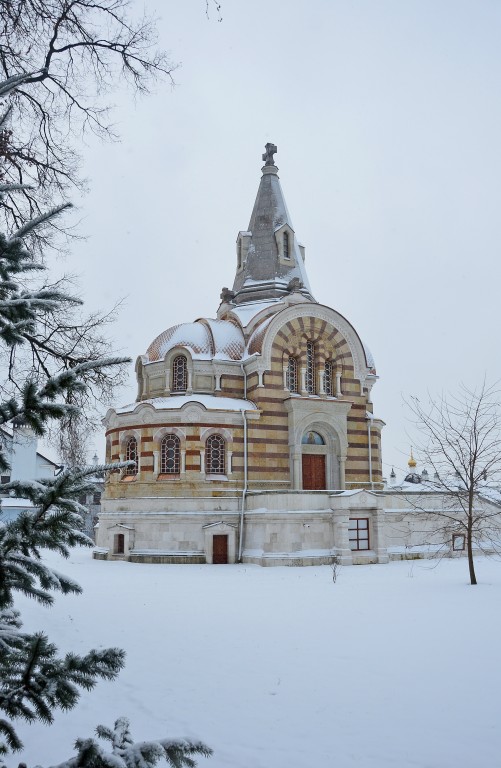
x: 170, y: 455
x: 328, y: 382
x: 179, y: 374
x: 215, y: 449
x: 310, y: 368
x: 131, y: 454
x: 291, y: 376
x: 286, y: 245
x: 240, y: 253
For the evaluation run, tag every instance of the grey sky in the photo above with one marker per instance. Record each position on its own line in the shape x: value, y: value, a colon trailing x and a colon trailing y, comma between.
x: 387, y: 119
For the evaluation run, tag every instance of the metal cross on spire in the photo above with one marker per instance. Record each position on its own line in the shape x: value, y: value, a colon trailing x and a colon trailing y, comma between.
x: 268, y: 155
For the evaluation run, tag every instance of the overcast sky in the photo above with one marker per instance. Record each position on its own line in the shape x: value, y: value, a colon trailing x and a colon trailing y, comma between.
x: 387, y: 119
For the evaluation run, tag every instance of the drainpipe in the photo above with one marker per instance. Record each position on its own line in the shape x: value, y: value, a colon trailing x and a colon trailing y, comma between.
x: 369, y: 418
x: 244, y: 491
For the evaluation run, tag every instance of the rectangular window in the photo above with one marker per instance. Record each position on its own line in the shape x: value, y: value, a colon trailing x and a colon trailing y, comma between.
x: 458, y: 542
x: 358, y: 532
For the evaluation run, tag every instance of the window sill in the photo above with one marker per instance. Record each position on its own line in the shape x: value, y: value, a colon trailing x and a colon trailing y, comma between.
x: 128, y: 479
x: 217, y: 477
x: 165, y: 476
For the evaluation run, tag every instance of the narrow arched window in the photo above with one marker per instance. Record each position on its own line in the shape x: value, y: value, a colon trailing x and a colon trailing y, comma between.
x: 179, y: 374
x: 170, y: 455
x: 131, y: 454
x: 240, y: 253
x: 310, y: 368
x: 291, y: 376
x: 286, y: 245
x: 215, y: 450
x: 328, y: 383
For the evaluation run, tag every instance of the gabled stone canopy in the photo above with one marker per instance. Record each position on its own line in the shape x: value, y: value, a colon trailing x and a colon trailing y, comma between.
x: 263, y: 270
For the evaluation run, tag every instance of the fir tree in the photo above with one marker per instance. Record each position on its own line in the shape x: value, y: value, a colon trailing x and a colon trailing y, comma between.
x: 125, y: 753
x: 34, y: 680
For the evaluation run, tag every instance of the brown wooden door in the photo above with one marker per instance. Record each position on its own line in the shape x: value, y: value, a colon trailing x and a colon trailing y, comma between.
x: 220, y: 549
x: 313, y: 472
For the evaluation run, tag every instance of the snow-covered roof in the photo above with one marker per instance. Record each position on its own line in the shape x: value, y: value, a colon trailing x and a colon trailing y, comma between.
x: 256, y: 340
x: 210, y: 402
x: 10, y: 501
x: 205, y: 338
x: 228, y: 340
x: 247, y: 312
x: 192, y: 335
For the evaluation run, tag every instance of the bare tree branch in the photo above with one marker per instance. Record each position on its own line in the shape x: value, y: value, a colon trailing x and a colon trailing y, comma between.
x: 461, y: 441
x: 59, y: 60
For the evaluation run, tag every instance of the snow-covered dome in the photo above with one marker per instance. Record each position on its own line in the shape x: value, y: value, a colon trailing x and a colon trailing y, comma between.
x: 204, y: 338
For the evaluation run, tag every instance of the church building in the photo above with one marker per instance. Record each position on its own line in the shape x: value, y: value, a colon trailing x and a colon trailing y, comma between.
x: 253, y: 437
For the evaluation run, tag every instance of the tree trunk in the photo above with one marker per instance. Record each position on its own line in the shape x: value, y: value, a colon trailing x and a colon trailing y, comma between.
x: 471, y: 565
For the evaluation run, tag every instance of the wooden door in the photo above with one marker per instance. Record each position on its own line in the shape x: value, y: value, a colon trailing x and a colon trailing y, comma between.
x: 313, y: 472
x: 220, y: 549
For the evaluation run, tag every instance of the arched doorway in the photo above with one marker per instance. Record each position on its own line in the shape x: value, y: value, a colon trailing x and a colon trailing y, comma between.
x: 313, y: 461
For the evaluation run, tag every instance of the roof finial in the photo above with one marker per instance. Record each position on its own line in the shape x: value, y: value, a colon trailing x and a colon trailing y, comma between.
x: 268, y: 155
x: 412, y: 462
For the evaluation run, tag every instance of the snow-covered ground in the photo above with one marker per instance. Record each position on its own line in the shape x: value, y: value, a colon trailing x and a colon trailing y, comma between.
x: 395, y: 665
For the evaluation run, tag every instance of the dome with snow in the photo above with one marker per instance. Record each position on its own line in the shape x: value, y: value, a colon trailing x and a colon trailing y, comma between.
x: 205, y: 339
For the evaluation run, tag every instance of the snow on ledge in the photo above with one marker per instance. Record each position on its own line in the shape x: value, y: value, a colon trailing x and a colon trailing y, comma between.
x: 209, y: 402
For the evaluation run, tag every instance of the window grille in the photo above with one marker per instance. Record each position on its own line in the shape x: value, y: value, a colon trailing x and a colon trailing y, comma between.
x: 170, y: 455
x: 358, y: 531
x: 291, y: 376
x: 310, y: 368
x: 179, y: 374
x: 328, y: 382
x: 215, y: 449
x: 286, y: 245
x: 131, y: 454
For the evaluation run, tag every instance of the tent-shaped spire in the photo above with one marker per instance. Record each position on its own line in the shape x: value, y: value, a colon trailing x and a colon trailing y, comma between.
x: 270, y: 261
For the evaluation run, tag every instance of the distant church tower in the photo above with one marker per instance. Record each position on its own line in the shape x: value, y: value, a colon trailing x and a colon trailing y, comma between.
x: 271, y: 396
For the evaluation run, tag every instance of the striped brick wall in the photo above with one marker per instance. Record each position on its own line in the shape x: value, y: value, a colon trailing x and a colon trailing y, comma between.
x: 268, y: 438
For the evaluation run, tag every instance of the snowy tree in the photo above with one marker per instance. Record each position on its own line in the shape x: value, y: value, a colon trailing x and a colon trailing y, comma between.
x: 34, y: 680
x: 461, y: 442
x: 125, y: 753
